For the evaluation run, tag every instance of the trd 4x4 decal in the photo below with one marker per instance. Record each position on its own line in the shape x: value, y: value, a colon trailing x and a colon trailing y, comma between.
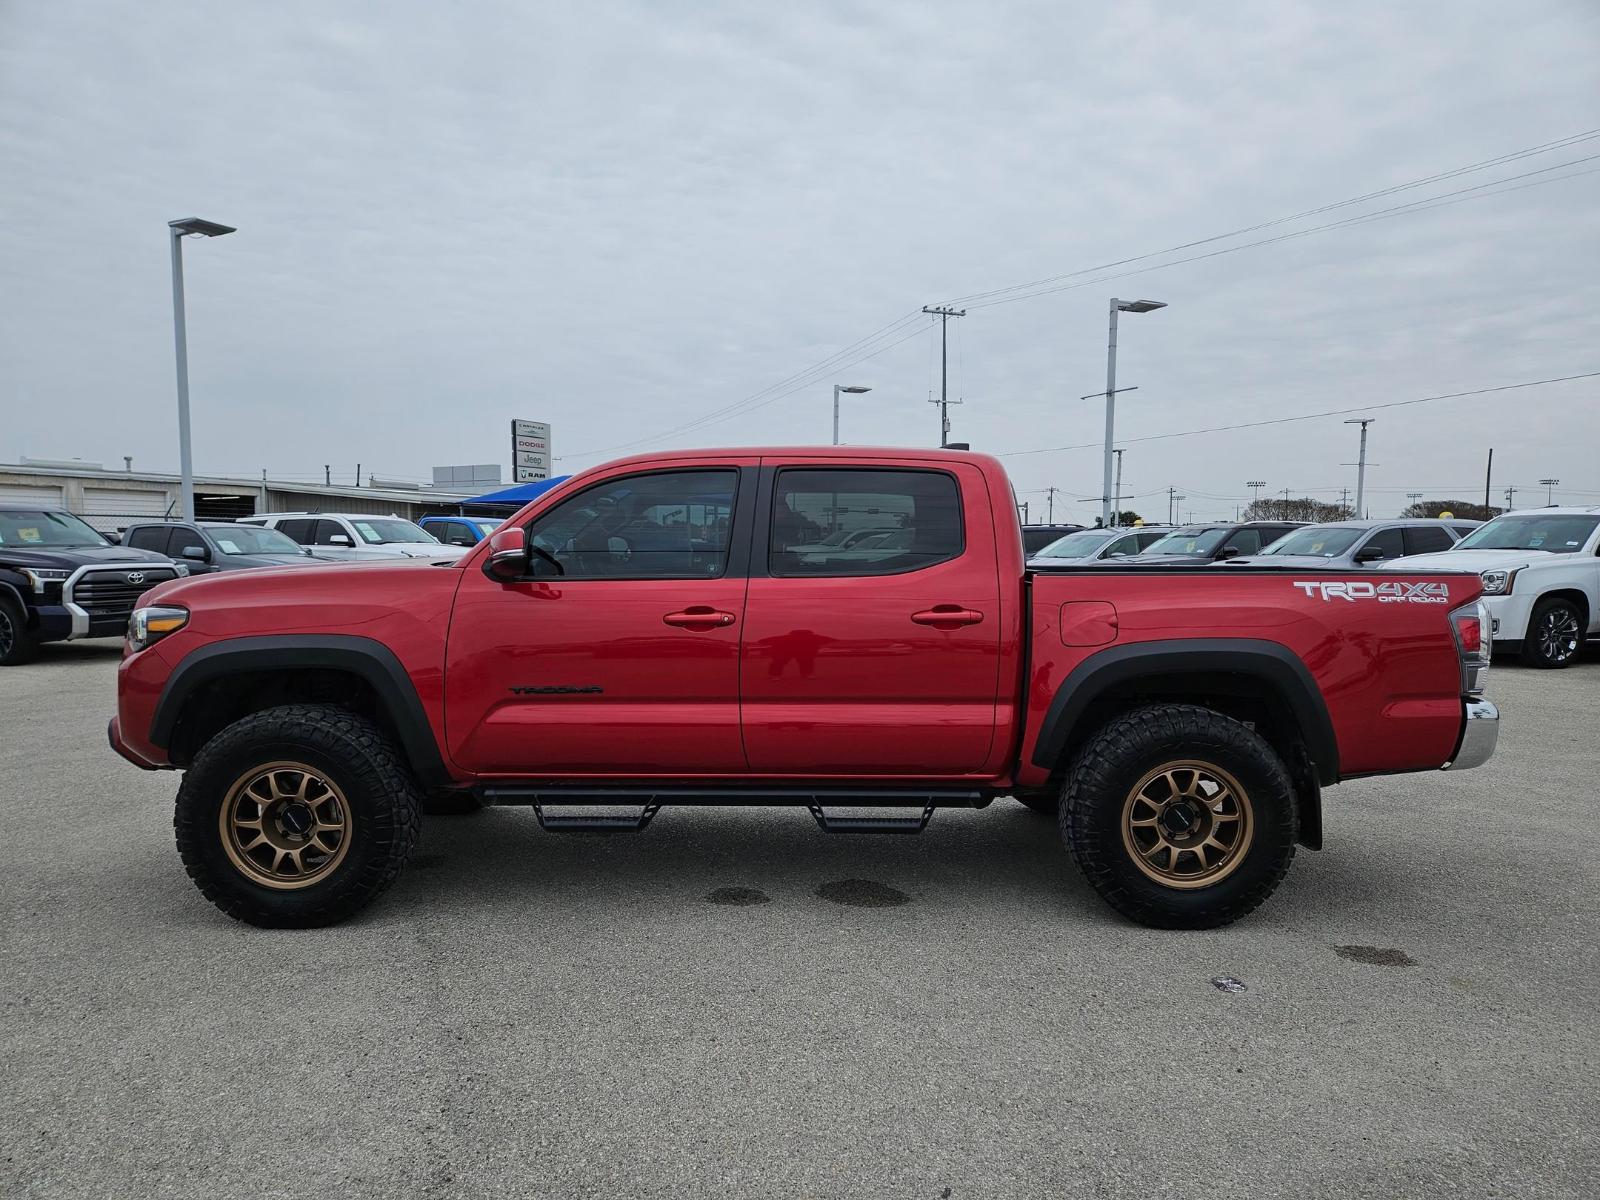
x: 1384, y: 593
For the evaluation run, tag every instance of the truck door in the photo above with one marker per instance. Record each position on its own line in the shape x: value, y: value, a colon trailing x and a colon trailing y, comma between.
x: 626, y: 664
x: 877, y: 654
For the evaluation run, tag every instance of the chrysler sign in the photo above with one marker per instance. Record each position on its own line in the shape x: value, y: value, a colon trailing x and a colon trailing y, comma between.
x: 530, y: 451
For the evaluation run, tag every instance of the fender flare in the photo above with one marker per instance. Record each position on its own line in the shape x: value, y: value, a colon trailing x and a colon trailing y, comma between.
x: 370, y: 660
x: 11, y: 583
x: 1266, y: 662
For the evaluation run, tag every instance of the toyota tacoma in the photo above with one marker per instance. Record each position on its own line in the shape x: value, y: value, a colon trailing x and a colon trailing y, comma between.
x: 673, y: 629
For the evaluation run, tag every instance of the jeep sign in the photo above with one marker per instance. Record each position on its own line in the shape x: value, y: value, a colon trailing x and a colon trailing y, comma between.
x: 530, y: 451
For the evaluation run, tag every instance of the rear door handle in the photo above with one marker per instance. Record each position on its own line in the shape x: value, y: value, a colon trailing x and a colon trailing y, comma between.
x: 699, y: 616
x: 947, y: 616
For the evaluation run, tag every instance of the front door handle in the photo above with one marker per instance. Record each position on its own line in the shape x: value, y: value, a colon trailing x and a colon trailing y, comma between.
x: 699, y: 616
x: 947, y: 616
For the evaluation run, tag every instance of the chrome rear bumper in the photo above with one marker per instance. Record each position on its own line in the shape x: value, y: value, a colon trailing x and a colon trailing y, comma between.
x: 1479, y: 731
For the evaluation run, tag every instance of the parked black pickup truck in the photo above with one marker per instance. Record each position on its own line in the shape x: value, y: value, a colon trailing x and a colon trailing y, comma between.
x: 59, y: 579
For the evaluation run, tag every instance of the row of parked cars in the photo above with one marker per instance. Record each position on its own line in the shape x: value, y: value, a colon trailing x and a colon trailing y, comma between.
x: 61, y: 579
x: 1540, y: 568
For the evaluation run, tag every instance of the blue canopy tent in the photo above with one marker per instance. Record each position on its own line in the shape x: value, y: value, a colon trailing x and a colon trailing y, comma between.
x: 514, y: 497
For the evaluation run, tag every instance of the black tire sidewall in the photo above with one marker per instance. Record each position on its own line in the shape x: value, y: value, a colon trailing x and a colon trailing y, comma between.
x: 382, y: 829
x: 23, y: 642
x: 1119, y: 756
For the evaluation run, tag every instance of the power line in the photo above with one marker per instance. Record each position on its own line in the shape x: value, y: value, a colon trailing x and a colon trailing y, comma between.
x: 1500, y: 160
x: 1332, y: 412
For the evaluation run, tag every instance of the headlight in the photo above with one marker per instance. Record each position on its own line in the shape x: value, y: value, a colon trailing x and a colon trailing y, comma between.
x: 149, y: 625
x: 1498, y: 583
x: 38, y: 578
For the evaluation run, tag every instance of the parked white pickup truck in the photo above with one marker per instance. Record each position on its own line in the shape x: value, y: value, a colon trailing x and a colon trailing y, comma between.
x: 1541, y: 579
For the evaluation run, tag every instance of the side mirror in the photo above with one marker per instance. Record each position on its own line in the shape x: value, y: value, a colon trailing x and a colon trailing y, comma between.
x: 339, y: 539
x: 1228, y: 552
x: 509, y: 557
x: 1369, y: 554
x: 197, y: 553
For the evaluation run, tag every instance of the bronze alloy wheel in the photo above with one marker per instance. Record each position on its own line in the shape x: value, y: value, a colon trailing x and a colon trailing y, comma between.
x: 1187, y: 824
x: 284, y: 825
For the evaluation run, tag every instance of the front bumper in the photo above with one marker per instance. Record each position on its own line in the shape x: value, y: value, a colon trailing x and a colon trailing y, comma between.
x: 1480, y: 729
x: 1509, y: 616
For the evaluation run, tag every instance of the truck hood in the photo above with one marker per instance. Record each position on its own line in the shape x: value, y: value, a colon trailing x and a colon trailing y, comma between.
x: 67, y: 558
x: 437, y: 551
x: 1473, y: 560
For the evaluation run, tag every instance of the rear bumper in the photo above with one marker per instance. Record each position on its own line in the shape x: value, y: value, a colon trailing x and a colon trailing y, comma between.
x: 1480, y: 729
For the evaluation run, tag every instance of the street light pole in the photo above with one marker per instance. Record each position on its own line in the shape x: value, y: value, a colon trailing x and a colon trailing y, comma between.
x: 837, y: 388
x: 1116, y: 503
x: 180, y: 338
x: 1117, y: 306
x: 1549, y: 490
x: 1361, y: 463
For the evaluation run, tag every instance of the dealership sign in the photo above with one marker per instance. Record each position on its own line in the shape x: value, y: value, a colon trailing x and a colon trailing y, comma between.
x: 530, y: 451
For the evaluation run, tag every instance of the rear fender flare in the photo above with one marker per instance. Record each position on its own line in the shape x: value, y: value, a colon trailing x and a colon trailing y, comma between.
x: 1269, y: 663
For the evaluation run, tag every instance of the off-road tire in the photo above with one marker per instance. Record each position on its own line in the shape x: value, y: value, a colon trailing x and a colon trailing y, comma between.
x: 450, y: 802
x: 1109, y: 767
x: 17, y: 642
x: 1534, y: 651
x: 1046, y: 804
x: 350, y: 752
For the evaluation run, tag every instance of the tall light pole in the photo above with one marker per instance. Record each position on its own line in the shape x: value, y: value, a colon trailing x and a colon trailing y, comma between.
x: 852, y: 391
x: 1549, y: 486
x: 1255, y: 485
x: 1361, y: 463
x: 180, y: 337
x: 1117, y: 306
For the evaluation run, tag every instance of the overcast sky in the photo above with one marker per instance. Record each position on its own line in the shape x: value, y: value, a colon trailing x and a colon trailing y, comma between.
x: 621, y: 217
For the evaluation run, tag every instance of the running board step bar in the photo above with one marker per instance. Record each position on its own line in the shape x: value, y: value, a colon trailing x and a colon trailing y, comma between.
x: 650, y: 801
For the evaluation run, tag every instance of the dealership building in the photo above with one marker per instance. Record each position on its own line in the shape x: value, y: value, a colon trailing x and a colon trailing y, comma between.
x: 108, y: 499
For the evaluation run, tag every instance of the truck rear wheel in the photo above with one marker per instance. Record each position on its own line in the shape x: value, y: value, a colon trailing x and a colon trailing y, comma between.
x: 1180, y: 817
x: 17, y: 643
x: 296, y: 816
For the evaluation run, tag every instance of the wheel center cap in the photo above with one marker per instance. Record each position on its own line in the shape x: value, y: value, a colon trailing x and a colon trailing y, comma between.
x: 295, y: 818
x: 1179, y: 818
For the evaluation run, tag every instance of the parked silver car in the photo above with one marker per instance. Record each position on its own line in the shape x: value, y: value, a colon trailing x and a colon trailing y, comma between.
x: 357, y: 536
x: 1091, y: 545
x: 1343, y: 545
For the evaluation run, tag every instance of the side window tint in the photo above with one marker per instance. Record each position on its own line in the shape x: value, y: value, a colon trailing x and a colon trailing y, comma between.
x: 1246, y: 541
x: 298, y: 530
x: 1389, y: 541
x: 325, y: 531
x: 1427, y: 539
x: 150, y: 537
x: 1122, y: 546
x: 863, y: 522
x: 664, y: 525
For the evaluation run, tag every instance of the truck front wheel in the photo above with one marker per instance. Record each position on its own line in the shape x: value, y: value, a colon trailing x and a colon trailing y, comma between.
x: 1180, y: 817
x: 17, y: 643
x: 296, y: 816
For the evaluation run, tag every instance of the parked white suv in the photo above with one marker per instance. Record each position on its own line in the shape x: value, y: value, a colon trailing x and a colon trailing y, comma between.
x: 357, y: 536
x: 1541, y: 579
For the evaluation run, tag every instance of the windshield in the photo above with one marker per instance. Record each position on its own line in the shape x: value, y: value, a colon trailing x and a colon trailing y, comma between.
x: 381, y: 530
x: 1323, y: 541
x: 43, y: 527
x: 1554, y: 533
x: 1076, y: 545
x: 252, y: 539
x: 1196, y: 543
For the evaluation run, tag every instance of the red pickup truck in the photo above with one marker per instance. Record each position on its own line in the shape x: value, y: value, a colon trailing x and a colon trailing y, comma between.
x: 843, y: 629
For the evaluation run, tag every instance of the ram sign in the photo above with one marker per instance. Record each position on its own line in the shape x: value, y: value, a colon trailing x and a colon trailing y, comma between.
x: 530, y: 451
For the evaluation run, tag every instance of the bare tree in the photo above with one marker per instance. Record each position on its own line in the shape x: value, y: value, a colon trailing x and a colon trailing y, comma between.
x: 1303, y: 509
x: 1456, y: 508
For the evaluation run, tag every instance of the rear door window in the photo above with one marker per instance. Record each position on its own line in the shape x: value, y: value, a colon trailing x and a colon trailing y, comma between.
x: 848, y: 522
x: 325, y: 532
x: 1427, y: 539
x: 150, y: 537
x: 297, y: 529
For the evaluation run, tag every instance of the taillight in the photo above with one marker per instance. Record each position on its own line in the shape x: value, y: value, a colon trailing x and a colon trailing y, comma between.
x: 1474, y: 644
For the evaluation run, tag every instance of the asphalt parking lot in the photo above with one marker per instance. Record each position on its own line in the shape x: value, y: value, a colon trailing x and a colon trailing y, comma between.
x: 951, y: 1016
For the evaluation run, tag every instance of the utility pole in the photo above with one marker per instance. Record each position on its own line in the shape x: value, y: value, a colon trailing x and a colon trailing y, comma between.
x: 1361, y: 463
x: 944, y: 315
x: 1116, y: 501
x: 1172, y: 505
x: 1344, y: 498
x: 1285, y: 504
x: 1510, y: 493
x: 1488, y: 474
x: 1024, y: 512
x: 1050, y: 503
x: 1549, y: 486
